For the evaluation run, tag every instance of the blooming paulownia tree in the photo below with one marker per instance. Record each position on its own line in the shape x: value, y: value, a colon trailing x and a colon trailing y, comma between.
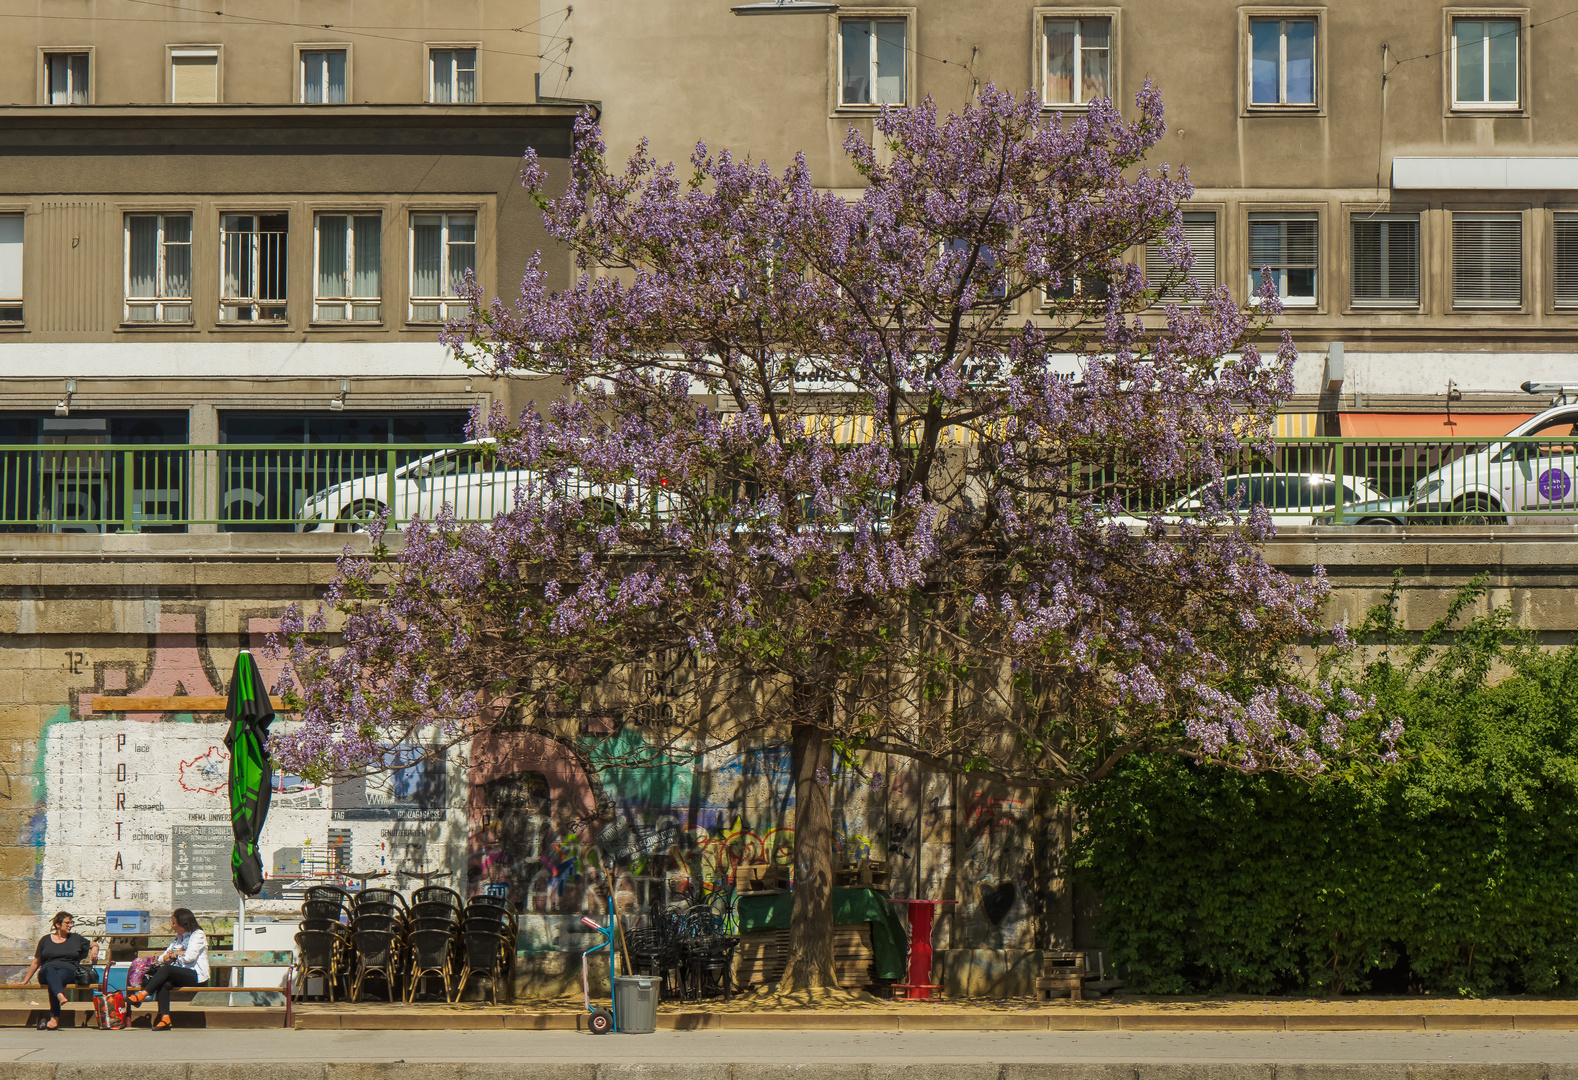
x: 869, y: 454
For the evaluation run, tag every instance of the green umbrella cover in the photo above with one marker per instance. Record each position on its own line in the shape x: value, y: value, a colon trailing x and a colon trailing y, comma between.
x: 251, y: 776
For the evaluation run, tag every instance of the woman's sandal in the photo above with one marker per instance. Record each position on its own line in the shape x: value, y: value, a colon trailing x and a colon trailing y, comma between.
x: 50, y: 1025
x: 136, y: 998
x: 162, y: 1024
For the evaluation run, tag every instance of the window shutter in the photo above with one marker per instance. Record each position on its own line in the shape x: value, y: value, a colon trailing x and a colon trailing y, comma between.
x: 1487, y: 260
x: 10, y: 256
x: 194, y: 78
x: 1385, y: 261
x: 1566, y: 244
x: 1200, y: 232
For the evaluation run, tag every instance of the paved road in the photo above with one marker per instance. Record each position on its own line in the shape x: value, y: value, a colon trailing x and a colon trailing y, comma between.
x: 86, y: 1046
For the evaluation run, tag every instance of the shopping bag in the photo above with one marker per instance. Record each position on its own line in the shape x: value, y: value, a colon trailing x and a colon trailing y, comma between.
x: 110, y: 1009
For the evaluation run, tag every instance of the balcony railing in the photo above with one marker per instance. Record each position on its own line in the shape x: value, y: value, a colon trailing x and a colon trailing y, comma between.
x: 340, y: 487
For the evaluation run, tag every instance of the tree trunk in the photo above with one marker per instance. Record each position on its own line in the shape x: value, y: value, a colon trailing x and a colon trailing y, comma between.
x: 810, y: 963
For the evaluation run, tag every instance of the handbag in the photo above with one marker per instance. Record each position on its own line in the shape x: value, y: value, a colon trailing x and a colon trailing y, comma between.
x: 87, y: 975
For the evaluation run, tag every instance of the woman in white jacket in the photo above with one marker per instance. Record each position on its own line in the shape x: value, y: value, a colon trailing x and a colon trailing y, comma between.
x: 184, y: 964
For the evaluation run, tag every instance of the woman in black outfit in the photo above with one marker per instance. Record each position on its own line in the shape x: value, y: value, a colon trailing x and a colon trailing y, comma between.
x: 58, y: 954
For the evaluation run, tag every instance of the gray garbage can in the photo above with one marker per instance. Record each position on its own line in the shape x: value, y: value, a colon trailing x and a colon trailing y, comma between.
x: 635, y: 1002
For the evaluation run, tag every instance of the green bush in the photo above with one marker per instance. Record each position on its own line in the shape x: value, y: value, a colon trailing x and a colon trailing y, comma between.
x: 1455, y: 870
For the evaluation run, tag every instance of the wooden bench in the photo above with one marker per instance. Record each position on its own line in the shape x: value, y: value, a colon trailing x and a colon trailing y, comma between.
x: 228, y: 961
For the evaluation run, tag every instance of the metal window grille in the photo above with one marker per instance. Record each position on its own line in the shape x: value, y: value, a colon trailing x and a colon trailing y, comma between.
x: 873, y: 55
x: 1285, y: 246
x: 1565, y: 257
x: 1200, y: 232
x: 443, y: 248
x: 1485, y: 63
x: 1078, y: 61
x: 11, y: 268
x: 158, y: 267
x: 1385, y: 261
x: 349, y: 265
x: 454, y: 76
x: 1282, y: 62
x: 1487, y: 260
x: 66, y: 75
x: 253, y: 270
x: 323, y: 76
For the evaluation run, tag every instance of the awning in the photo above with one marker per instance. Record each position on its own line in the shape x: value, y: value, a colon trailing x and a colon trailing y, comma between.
x: 1380, y: 425
x: 1297, y: 425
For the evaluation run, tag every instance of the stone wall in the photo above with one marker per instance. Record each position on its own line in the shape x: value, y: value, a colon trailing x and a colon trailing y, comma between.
x: 103, y: 810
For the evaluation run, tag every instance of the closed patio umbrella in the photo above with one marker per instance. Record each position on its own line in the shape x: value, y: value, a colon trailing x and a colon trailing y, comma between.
x: 251, y: 776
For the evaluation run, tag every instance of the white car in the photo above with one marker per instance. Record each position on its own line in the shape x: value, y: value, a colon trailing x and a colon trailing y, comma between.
x: 467, y: 478
x: 1291, y: 498
x: 1492, y: 485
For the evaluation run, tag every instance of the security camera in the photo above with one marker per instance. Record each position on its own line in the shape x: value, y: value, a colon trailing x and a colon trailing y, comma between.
x: 61, y: 408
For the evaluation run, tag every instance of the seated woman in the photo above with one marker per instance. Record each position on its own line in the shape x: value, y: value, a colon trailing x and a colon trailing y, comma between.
x: 56, y: 960
x: 183, y: 964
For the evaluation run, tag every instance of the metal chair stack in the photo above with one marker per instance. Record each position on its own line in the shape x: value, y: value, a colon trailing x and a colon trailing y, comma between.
x: 488, y: 934
x: 323, y: 941
x: 706, y: 955
x: 378, y: 932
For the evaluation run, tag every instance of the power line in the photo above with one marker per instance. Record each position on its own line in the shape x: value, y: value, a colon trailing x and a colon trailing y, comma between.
x: 1505, y: 33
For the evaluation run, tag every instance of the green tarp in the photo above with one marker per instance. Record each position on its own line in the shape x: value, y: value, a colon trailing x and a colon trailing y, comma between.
x: 889, y: 939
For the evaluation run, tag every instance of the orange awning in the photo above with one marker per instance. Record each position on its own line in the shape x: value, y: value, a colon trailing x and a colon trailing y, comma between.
x: 1385, y: 425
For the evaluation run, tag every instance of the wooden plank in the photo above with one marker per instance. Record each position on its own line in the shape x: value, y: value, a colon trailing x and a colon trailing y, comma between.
x: 256, y: 958
x: 102, y: 703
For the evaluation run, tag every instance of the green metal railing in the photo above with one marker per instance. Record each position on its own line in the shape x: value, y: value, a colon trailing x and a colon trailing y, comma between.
x: 339, y: 487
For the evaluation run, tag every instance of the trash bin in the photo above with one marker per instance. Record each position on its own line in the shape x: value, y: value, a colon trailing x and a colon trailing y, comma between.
x: 635, y: 1002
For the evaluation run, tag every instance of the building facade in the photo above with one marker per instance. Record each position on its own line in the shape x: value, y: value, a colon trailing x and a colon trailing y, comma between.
x: 249, y: 227
x: 1408, y: 171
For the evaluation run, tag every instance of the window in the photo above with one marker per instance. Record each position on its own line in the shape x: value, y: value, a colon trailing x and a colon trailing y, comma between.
x: 988, y: 279
x: 66, y: 78
x: 158, y: 268
x: 323, y: 76
x: 1485, y: 63
x: 1282, y: 61
x: 872, y: 61
x: 454, y: 76
x: 1385, y: 261
x: 443, y: 248
x: 10, y: 268
x: 350, y: 268
x: 1200, y: 231
x: 252, y: 279
x: 1487, y: 260
x: 1564, y: 237
x: 1077, y: 60
x: 1287, y: 247
x: 194, y: 76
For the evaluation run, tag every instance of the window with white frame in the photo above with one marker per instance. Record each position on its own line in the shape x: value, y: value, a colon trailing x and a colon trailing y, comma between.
x: 872, y: 61
x: 253, y: 270
x: 1564, y: 256
x: 1076, y: 60
x: 1485, y: 63
x: 66, y: 78
x: 349, y: 268
x: 323, y: 76
x: 10, y: 268
x: 1282, y: 61
x: 1487, y: 260
x: 454, y: 76
x: 1385, y: 257
x: 1200, y: 234
x: 158, y: 268
x: 1286, y: 248
x: 443, y: 248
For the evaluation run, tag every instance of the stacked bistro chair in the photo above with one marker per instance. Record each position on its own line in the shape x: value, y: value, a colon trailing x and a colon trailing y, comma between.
x: 706, y: 955
x: 323, y: 941
x: 433, y: 939
x: 488, y: 933
x: 378, y: 933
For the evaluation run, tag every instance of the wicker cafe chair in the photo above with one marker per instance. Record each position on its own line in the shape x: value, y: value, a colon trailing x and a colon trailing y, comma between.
x: 434, y: 909
x: 438, y: 894
x: 320, y: 954
x: 377, y: 920
x: 380, y: 896
x: 483, y: 954
x: 329, y: 892
x: 324, y: 908
x: 432, y: 952
x: 378, y: 952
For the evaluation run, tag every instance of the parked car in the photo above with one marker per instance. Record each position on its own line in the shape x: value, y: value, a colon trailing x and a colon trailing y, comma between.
x: 1492, y: 485
x: 468, y: 478
x: 1291, y: 498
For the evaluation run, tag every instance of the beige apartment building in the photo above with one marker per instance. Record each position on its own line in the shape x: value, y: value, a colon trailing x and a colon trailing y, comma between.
x: 1408, y: 169
x: 249, y: 227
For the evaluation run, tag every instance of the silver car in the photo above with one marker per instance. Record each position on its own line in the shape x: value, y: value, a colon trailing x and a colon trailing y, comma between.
x: 468, y: 478
x: 1291, y: 498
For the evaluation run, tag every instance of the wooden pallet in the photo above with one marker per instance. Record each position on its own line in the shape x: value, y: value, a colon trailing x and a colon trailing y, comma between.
x: 1072, y: 985
x: 760, y: 878
x: 762, y: 954
x: 862, y: 874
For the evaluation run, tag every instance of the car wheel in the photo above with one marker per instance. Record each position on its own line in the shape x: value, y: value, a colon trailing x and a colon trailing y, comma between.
x: 1477, y: 510
x: 359, y: 516
x: 1377, y: 521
